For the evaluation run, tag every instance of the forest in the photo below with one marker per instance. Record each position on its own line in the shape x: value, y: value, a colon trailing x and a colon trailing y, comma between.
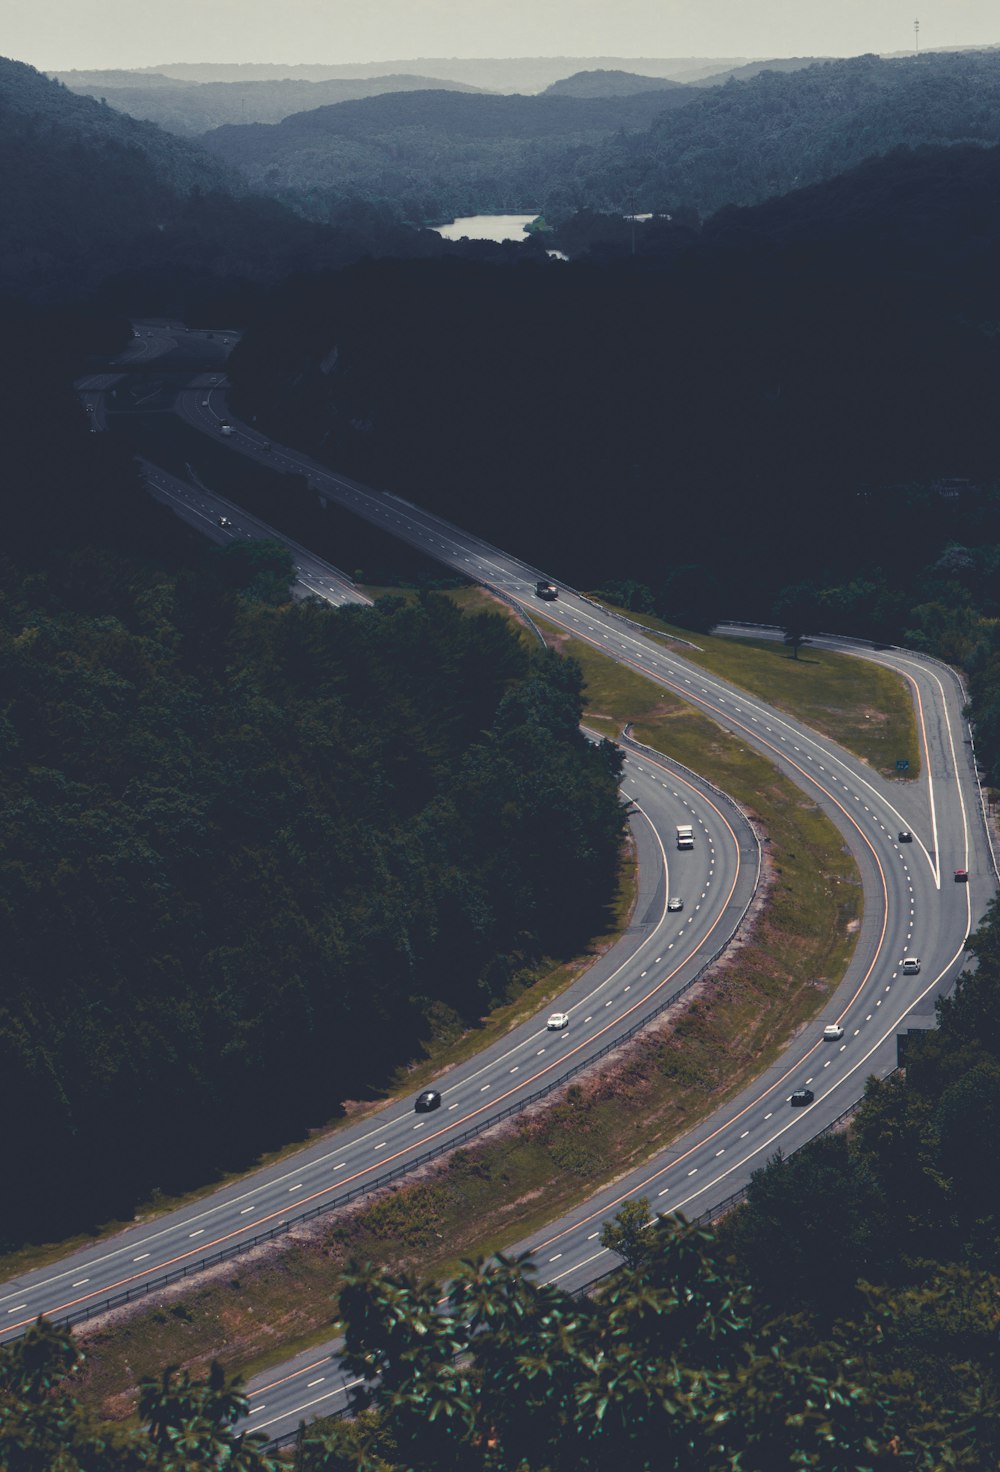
x: 844, y: 1317
x: 432, y: 155
x: 239, y: 832
x: 252, y: 851
x: 815, y: 374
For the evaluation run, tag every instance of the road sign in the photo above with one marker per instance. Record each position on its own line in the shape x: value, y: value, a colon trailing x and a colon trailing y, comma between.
x: 902, y: 765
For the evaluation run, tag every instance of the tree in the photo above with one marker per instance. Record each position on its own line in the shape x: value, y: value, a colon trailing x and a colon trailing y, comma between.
x: 627, y: 1234
x: 797, y: 609
x: 664, y: 1370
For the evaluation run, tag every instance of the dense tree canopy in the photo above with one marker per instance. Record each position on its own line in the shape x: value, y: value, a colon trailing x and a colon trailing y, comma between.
x: 251, y: 850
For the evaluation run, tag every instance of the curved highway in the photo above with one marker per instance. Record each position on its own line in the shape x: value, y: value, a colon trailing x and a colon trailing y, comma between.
x: 653, y: 962
x: 912, y: 907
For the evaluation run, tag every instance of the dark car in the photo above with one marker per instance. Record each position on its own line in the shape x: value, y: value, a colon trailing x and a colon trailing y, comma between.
x: 428, y: 1100
x: 800, y: 1097
x: 546, y: 590
x: 265, y: 446
x: 905, y: 836
x: 961, y: 876
x: 224, y: 521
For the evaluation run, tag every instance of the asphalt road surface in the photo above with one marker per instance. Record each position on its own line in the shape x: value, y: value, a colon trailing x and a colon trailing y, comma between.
x: 912, y: 907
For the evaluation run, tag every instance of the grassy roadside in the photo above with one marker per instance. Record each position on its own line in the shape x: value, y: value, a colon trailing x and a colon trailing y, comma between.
x: 452, y: 1043
x: 510, y: 1184
x: 864, y: 707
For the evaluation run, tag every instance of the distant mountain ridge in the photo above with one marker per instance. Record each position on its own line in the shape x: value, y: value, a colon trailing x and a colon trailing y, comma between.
x: 437, y: 154
x: 191, y: 108
x: 500, y: 74
x: 29, y: 100
x: 434, y: 154
x: 91, y: 196
x: 608, y: 84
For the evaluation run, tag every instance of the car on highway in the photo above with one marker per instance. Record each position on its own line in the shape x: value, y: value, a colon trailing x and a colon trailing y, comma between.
x: 224, y: 521
x: 675, y: 903
x: 910, y: 966
x: 266, y: 445
x: 558, y: 1021
x: 905, y: 836
x: 546, y: 590
x: 961, y: 876
x: 832, y: 1032
x: 204, y: 403
x: 428, y: 1100
x: 800, y: 1097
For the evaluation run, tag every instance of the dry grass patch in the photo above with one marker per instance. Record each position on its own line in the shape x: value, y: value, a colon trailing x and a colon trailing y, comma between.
x: 525, y: 1173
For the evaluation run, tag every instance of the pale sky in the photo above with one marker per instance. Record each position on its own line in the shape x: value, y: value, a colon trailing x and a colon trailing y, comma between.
x: 61, y: 34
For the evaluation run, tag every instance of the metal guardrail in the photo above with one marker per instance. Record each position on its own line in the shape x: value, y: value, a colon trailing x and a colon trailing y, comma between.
x: 518, y: 608
x: 705, y: 1218
x: 226, y: 1254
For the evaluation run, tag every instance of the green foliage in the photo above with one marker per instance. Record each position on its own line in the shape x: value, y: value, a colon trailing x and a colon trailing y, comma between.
x: 250, y: 849
x: 187, y: 1425
x: 797, y: 611
x: 627, y: 1233
x: 664, y: 1370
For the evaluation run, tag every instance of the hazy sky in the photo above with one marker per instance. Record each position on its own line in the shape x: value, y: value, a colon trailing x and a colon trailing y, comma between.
x: 59, y: 34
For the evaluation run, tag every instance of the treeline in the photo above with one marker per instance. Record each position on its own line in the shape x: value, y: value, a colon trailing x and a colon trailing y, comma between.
x: 184, y: 1425
x: 434, y: 154
x: 192, y: 108
x: 98, y: 203
x: 844, y: 1317
x: 672, y: 422
x: 252, y: 852
x: 778, y: 131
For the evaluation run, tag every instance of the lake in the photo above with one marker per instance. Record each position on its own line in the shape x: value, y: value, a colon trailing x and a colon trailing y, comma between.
x: 487, y: 227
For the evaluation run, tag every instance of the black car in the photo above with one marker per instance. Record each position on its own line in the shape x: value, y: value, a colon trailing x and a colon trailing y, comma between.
x: 905, y: 836
x: 224, y: 521
x: 428, y: 1100
x: 800, y: 1097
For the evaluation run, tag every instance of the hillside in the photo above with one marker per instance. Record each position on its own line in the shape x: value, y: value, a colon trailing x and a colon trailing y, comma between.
x: 740, y: 143
x: 36, y: 108
x: 432, y: 154
x: 787, y: 360
x: 438, y: 154
x: 493, y: 74
x: 92, y: 197
x: 608, y: 84
x: 192, y: 108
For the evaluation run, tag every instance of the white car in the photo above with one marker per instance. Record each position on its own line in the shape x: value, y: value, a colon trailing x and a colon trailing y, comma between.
x: 832, y: 1032
x: 675, y: 903
x: 558, y: 1021
x: 910, y: 966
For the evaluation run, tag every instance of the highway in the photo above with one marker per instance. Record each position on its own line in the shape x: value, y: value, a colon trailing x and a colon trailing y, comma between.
x: 912, y: 907
x: 653, y: 962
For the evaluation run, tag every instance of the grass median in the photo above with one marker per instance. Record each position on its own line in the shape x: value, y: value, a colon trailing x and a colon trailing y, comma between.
x: 526, y: 1173
x: 866, y: 708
